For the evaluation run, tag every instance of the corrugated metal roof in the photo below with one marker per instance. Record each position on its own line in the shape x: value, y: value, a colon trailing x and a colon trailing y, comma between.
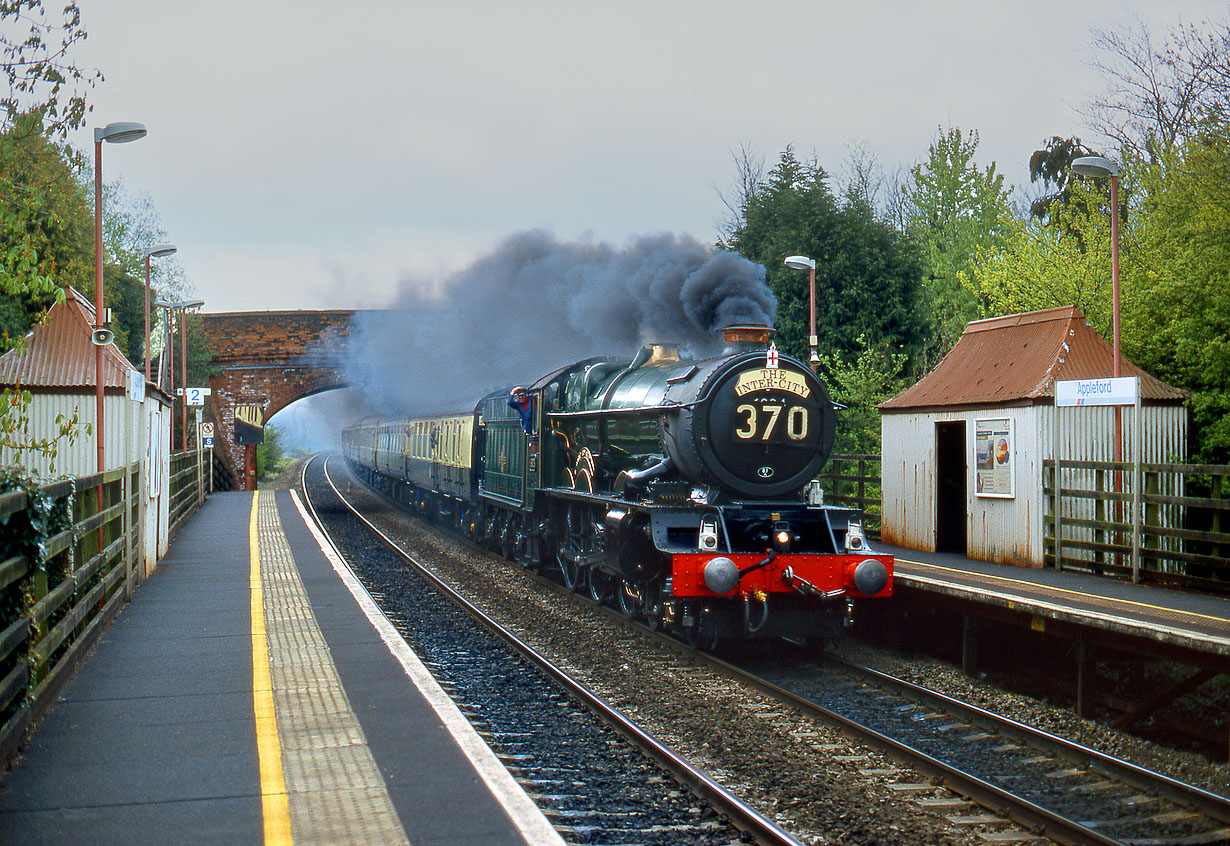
x: 59, y: 351
x: 1018, y: 358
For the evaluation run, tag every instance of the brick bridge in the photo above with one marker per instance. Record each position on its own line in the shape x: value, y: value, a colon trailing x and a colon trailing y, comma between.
x: 271, y: 359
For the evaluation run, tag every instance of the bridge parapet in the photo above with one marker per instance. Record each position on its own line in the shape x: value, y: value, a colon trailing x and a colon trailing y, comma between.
x: 271, y: 359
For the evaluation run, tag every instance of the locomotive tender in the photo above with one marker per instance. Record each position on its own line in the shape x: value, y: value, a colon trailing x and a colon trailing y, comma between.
x: 681, y: 489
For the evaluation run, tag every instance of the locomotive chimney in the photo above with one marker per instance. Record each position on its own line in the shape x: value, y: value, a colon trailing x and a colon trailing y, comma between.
x: 745, y: 338
x: 663, y: 352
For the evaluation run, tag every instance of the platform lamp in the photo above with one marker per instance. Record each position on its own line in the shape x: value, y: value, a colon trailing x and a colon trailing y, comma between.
x: 1099, y: 167
x: 182, y: 307
x: 156, y: 251
x: 808, y: 264
x: 115, y: 133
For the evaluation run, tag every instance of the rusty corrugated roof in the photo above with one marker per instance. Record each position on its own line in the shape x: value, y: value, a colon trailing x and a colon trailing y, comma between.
x: 1017, y: 358
x: 59, y: 351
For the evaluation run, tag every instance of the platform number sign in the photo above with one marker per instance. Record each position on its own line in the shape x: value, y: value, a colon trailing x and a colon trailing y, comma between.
x: 249, y: 424
x: 194, y: 396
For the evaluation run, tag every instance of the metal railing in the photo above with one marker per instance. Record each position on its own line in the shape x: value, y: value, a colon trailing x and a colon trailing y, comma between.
x: 1170, y: 524
x: 60, y: 586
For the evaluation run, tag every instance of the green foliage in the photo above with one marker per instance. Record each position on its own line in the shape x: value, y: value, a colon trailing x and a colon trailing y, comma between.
x: 125, y: 296
x: 1179, y: 325
x: 45, y: 225
x: 955, y: 209
x: 1052, y: 166
x: 873, y: 377
x: 1062, y: 260
x: 42, y: 78
x: 867, y: 275
x: 1174, y: 272
x: 18, y: 443
x: 41, y: 214
x: 26, y: 532
x: 271, y: 459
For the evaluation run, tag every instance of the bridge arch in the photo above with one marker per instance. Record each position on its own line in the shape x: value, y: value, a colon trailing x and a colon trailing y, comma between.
x: 271, y: 359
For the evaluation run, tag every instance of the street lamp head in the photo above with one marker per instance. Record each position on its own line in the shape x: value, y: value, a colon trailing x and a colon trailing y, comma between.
x: 159, y: 250
x: 800, y: 263
x: 1095, y: 166
x: 185, y: 304
x: 119, y: 133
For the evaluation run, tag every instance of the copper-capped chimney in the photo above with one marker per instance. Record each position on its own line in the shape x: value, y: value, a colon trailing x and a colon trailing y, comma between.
x: 745, y: 338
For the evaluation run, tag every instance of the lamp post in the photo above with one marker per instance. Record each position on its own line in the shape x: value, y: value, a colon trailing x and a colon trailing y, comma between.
x: 1099, y: 167
x: 115, y: 133
x: 182, y: 307
x: 156, y: 250
x: 808, y: 264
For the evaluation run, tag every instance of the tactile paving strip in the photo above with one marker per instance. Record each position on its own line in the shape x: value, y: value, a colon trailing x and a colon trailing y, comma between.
x: 336, y: 792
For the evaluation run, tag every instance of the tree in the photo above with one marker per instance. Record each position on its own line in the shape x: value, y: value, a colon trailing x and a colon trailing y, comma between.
x: 955, y: 209
x: 131, y: 226
x: 749, y: 178
x: 1157, y: 97
x: 1180, y: 326
x: 45, y: 101
x: 45, y: 225
x: 1052, y: 165
x: 861, y: 385
x: 867, y: 274
x: 41, y: 75
x: 1062, y: 260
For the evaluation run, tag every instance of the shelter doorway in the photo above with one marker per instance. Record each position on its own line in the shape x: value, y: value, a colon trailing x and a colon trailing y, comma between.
x: 951, y: 507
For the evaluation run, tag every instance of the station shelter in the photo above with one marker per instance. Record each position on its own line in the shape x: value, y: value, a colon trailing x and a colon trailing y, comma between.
x: 56, y: 365
x: 963, y: 448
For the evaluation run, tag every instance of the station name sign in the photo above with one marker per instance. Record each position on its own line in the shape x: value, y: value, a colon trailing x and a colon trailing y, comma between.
x: 1121, y: 391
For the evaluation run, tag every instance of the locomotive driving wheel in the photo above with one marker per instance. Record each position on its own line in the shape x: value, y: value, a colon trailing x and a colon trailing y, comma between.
x: 575, y: 545
x: 600, y: 585
x: 630, y: 600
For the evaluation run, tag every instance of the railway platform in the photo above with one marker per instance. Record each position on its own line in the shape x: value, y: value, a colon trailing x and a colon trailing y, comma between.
x: 1174, y: 621
x: 252, y: 692
x: 1090, y: 616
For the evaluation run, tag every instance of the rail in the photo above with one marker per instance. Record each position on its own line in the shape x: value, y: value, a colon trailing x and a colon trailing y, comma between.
x: 1170, y: 524
x: 70, y: 557
x: 854, y: 481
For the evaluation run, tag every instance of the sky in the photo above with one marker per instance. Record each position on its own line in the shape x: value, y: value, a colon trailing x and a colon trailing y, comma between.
x: 308, y: 154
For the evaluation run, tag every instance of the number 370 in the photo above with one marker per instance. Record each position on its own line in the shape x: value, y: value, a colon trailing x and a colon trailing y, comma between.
x: 760, y: 422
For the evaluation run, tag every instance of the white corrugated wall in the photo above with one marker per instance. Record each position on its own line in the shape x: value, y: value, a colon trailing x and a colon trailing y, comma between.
x: 1010, y: 530
x: 1088, y: 434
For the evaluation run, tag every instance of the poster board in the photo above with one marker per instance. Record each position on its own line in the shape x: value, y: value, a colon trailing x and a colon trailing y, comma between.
x: 249, y: 424
x: 995, y: 457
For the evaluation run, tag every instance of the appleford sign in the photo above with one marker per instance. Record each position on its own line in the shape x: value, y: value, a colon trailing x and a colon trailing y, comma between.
x: 1119, y: 391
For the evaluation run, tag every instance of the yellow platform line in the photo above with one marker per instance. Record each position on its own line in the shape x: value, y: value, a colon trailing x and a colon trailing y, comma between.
x: 275, y: 806
x: 1082, y: 595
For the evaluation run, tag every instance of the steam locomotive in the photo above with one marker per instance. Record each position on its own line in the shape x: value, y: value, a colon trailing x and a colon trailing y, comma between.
x: 681, y: 490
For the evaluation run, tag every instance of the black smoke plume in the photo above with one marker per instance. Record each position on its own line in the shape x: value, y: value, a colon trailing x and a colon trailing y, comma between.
x: 535, y: 304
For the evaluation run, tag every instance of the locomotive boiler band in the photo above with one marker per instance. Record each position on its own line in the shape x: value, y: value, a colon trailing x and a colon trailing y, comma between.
x: 674, y: 487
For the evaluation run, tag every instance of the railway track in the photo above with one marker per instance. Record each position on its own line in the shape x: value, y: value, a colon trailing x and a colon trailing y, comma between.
x: 1059, y: 790
x: 595, y: 774
x: 1066, y: 791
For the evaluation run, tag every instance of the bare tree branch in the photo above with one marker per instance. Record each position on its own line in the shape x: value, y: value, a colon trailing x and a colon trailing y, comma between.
x: 749, y: 179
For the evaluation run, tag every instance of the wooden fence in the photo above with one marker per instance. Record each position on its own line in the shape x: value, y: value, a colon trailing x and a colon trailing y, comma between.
x: 73, y: 550
x: 854, y: 481
x: 1170, y: 524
